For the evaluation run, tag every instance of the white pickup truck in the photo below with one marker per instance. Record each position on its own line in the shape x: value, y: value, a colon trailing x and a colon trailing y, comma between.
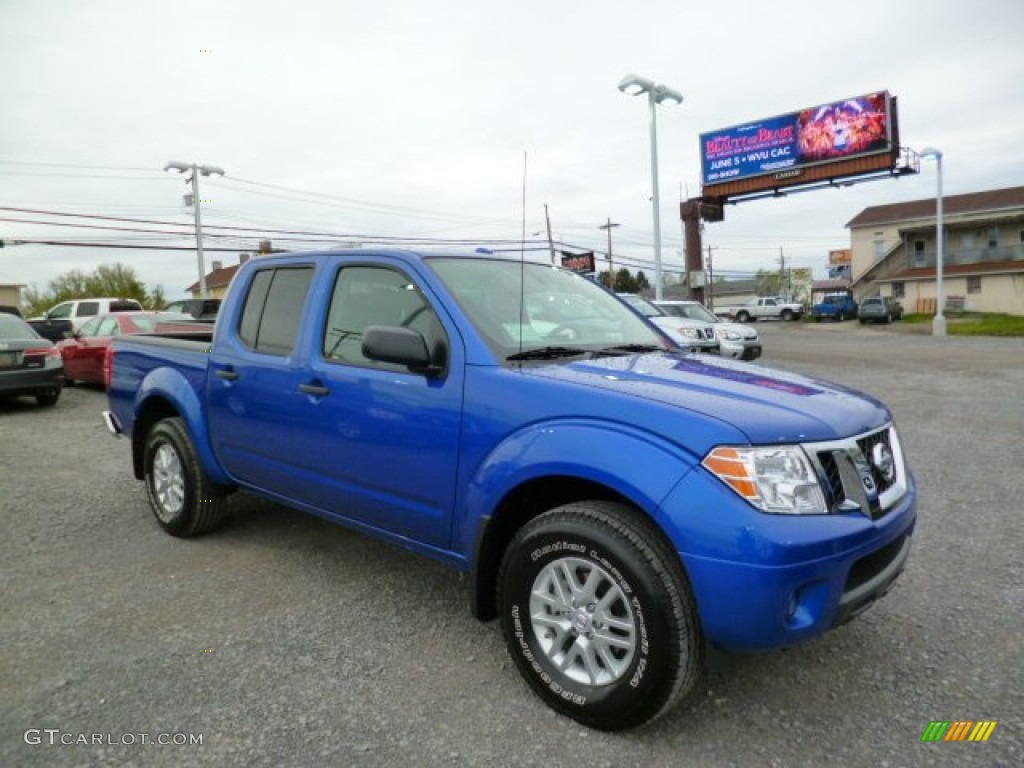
x: 774, y: 307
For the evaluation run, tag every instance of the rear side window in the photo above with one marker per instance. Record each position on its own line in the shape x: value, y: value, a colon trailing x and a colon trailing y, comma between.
x: 270, y: 317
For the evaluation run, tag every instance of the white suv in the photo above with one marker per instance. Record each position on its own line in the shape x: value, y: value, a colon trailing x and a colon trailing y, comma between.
x: 735, y: 339
x: 80, y: 310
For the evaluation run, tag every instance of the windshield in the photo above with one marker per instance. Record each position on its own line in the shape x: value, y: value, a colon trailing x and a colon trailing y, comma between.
x: 692, y: 311
x: 557, y: 308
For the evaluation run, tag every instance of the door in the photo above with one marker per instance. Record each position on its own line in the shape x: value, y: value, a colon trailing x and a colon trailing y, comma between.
x: 72, y: 350
x: 252, y: 383
x: 379, y: 443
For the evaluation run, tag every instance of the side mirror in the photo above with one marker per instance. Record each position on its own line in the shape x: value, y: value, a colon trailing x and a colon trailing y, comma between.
x: 401, y: 346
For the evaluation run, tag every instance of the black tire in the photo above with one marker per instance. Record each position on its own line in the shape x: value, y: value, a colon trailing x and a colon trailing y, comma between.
x: 888, y: 319
x: 183, y: 499
x: 742, y: 317
x: 637, y: 597
x: 48, y: 398
x: 863, y: 321
x: 787, y: 314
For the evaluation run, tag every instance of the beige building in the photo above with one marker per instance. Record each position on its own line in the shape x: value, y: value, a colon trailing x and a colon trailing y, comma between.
x: 10, y: 294
x: 894, y: 252
x: 218, y: 278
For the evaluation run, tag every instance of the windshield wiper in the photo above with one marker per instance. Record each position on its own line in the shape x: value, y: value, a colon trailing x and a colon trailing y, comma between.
x: 627, y: 348
x: 548, y: 353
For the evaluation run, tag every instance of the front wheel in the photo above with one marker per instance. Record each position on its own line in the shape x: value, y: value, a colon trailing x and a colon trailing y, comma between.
x: 598, y: 615
x: 787, y: 315
x: 742, y: 317
x: 186, y: 503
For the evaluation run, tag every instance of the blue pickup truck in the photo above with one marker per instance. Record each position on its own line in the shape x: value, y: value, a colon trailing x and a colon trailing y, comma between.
x: 617, y: 503
x: 835, y: 306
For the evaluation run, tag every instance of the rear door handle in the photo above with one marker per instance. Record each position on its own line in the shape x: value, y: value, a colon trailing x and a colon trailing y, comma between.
x: 314, y: 389
x: 226, y: 375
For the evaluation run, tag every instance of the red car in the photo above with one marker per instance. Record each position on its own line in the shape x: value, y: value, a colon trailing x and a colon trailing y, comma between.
x: 83, y: 351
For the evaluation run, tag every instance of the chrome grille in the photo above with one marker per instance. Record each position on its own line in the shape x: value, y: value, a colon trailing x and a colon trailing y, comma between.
x: 863, y: 474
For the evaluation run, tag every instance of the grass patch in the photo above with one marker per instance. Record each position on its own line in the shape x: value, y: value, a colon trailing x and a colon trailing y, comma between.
x: 975, y: 323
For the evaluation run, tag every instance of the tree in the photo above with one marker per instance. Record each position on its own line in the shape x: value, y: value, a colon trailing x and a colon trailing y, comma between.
x: 769, y: 283
x: 117, y: 280
x: 641, y: 281
x: 624, y: 281
x: 605, y: 278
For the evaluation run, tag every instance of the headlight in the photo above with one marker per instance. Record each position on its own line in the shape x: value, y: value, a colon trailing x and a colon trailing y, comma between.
x: 778, y: 479
x: 690, y: 333
x: 729, y: 335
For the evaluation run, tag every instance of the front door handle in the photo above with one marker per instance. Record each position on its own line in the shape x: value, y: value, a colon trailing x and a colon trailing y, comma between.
x: 226, y: 375
x: 314, y: 389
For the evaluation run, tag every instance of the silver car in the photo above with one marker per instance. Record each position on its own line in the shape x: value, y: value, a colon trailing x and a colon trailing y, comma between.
x: 697, y: 335
x: 734, y: 339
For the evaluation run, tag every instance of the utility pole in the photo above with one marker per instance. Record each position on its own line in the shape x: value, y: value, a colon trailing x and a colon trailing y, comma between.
x: 709, y: 292
x: 551, y: 244
x: 782, y: 270
x: 197, y: 171
x: 611, y: 262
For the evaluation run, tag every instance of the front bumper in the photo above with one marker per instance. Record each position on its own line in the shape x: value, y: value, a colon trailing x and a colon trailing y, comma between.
x: 745, y: 349
x: 767, y: 581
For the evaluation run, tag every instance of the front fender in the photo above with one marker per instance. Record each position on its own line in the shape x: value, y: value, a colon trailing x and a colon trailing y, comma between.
x: 633, y: 464
x: 168, y: 387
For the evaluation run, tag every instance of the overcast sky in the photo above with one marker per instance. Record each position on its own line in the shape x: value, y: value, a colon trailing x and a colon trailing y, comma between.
x: 403, y: 118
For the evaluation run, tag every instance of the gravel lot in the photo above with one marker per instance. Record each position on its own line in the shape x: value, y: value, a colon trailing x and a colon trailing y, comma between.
x: 283, y: 640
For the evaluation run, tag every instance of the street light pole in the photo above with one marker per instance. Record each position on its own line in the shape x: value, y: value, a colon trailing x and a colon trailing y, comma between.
x: 656, y: 94
x: 939, y: 321
x: 197, y: 171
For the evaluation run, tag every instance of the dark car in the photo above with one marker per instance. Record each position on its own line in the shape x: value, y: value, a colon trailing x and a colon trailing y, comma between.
x: 7, y: 309
x: 880, y: 309
x: 29, y: 364
x: 84, y: 349
x: 200, y: 309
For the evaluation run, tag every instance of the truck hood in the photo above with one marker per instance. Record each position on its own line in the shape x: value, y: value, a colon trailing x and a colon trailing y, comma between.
x: 767, y: 405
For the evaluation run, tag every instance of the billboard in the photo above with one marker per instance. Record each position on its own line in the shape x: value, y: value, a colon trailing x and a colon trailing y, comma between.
x: 578, y: 262
x: 784, y: 145
x: 840, y: 257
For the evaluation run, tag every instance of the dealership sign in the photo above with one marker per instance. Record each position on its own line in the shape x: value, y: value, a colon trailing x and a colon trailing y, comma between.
x: 783, y: 145
x: 578, y: 262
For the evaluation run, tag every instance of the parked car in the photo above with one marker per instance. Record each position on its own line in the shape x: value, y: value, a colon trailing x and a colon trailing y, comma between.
x: 58, y: 321
x: 83, y: 351
x: 836, y: 306
x: 618, y: 505
x: 199, y: 309
x: 7, y: 309
x: 698, y: 335
x: 29, y: 364
x: 734, y: 339
x: 880, y: 309
x: 767, y: 307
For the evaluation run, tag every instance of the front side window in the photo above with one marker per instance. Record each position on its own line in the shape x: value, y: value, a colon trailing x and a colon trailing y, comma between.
x: 87, y: 309
x: 522, y: 307
x: 108, y: 327
x: 61, y: 311
x: 273, y: 307
x: 365, y: 296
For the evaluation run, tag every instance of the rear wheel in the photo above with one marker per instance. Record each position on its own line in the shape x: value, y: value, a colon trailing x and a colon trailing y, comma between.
x: 48, y: 398
x: 186, y: 503
x: 598, y: 615
x: 742, y: 317
x: 888, y: 319
x: 787, y: 314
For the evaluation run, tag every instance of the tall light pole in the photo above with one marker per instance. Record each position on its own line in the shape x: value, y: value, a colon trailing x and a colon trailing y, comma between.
x: 939, y: 321
x: 197, y: 171
x: 656, y: 94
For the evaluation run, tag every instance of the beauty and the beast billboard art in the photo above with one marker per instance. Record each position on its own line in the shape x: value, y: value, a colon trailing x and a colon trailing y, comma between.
x: 782, y: 147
